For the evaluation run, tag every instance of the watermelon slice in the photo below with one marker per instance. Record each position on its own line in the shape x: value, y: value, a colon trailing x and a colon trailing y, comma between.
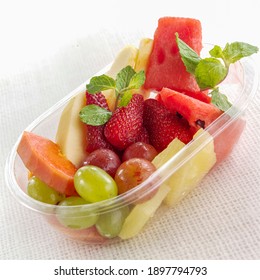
x: 165, y: 67
x: 199, y: 114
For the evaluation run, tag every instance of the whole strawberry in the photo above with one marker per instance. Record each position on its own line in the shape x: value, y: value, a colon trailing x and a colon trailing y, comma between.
x: 95, y: 134
x: 163, y: 126
x: 126, y: 123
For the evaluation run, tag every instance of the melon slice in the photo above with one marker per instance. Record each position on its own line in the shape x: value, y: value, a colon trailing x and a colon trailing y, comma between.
x: 197, y: 113
x: 144, y: 51
x: 127, y: 56
x: 71, y: 133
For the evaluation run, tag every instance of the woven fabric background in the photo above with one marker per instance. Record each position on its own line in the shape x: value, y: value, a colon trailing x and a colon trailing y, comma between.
x: 220, y: 219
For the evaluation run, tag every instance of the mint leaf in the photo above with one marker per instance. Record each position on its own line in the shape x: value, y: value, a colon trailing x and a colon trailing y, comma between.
x: 124, y: 77
x: 189, y: 57
x: 220, y: 100
x: 94, y: 115
x: 216, y: 52
x: 137, y: 80
x: 237, y: 50
x: 99, y: 83
x: 125, y: 99
x: 210, y: 72
x: 126, y: 81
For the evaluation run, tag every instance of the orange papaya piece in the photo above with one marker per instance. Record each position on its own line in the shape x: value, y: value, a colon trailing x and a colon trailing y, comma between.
x: 44, y: 159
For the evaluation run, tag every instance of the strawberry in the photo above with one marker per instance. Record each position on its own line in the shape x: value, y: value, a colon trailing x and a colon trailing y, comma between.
x: 97, y: 99
x: 143, y: 136
x: 163, y: 126
x: 95, y: 134
x: 125, y: 125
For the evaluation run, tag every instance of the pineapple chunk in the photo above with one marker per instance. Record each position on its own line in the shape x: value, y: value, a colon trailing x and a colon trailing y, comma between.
x: 177, y: 186
x: 175, y: 146
x: 187, y: 177
x: 141, y: 213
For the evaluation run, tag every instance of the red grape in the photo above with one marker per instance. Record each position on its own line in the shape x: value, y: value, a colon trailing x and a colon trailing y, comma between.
x: 140, y: 150
x: 106, y: 159
x: 132, y: 173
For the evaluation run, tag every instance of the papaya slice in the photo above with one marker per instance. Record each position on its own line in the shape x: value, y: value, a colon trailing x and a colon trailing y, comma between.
x: 44, y: 159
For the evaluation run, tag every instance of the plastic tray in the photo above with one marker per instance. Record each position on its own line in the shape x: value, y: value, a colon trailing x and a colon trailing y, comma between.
x: 240, y: 87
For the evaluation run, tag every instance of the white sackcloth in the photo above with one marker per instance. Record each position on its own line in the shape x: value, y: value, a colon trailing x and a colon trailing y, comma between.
x: 218, y: 220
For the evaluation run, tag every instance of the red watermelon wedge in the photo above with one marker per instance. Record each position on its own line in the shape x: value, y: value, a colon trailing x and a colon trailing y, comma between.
x: 165, y: 67
x: 197, y: 113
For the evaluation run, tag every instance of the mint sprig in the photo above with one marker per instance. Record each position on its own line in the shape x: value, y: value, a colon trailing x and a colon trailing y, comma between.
x: 123, y: 79
x: 189, y: 57
x: 233, y: 52
x: 100, y: 83
x: 210, y: 72
x: 94, y: 115
x: 126, y: 81
x: 220, y: 100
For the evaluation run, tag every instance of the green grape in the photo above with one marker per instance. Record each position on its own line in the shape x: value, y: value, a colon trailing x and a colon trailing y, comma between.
x: 94, y: 184
x: 109, y: 224
x: 75, y: 218
x: 42, y: 192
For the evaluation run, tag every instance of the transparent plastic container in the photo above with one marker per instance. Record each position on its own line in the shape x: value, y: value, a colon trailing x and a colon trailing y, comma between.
x: 240, y: 86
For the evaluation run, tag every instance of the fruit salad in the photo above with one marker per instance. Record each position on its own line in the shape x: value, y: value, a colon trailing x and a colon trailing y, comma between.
x: 142, y: 134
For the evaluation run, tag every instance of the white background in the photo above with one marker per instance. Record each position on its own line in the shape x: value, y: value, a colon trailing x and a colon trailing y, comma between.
x: 50, y: 47
x: 32, y: 30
